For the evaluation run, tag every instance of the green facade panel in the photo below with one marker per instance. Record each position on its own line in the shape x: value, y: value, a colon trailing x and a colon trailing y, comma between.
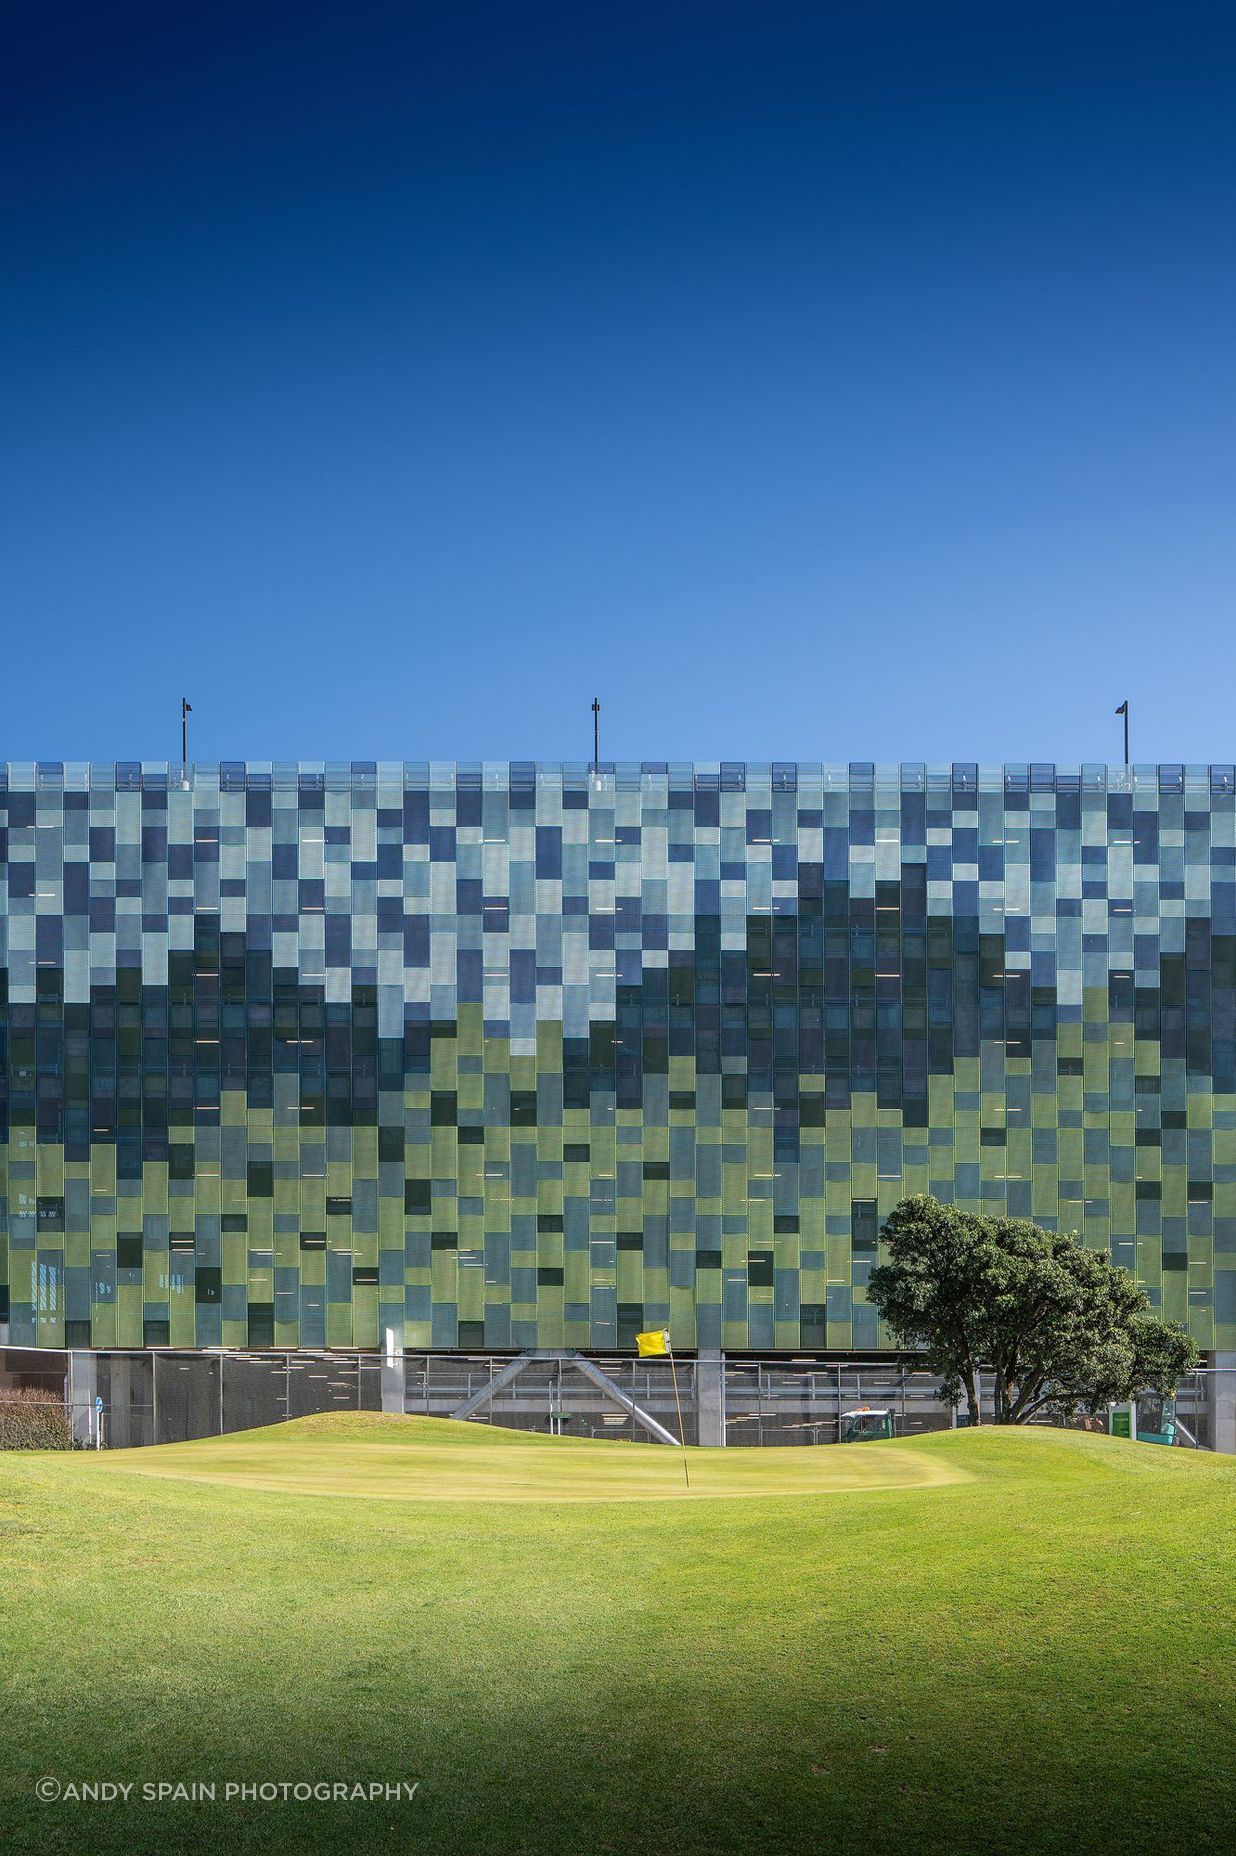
x: 499, y: 1056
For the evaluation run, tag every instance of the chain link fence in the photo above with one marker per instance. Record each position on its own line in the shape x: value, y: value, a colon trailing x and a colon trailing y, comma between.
x: 772, y: 1402
x: 122, y: 1399
x: 552, y: 1396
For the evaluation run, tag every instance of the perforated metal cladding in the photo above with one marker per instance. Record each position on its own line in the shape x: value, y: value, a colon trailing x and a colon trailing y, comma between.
x: 507, y: 1056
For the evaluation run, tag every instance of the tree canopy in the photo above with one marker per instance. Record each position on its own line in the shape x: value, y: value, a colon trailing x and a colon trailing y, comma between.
x: 1061, y: 1326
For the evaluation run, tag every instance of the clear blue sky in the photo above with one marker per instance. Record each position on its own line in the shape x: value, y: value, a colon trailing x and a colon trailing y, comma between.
x: 809, y: 381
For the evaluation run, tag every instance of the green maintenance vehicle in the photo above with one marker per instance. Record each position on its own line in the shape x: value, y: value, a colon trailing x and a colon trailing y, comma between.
x: 866, y: 1423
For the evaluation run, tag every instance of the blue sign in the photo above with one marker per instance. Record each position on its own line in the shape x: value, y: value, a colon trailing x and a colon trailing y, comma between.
x: 98, y: 1404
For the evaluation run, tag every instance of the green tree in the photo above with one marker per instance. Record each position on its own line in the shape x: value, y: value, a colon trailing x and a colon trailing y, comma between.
x: 1061, y: 1326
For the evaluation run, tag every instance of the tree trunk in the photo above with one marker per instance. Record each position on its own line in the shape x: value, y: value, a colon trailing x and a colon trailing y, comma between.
x: 972, y: 1399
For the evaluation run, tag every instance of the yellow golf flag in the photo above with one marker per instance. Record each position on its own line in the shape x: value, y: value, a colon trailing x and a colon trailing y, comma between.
x: 655, y: 1341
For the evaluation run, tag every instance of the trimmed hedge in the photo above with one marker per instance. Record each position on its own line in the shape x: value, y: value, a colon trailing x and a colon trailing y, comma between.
x: 32, y: 1419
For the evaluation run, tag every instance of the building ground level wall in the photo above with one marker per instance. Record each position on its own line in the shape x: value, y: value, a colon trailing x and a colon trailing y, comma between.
x: 120, y: 1399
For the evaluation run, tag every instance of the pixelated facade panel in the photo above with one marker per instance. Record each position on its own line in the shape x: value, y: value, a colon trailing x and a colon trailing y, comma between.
x: 510, y: 1055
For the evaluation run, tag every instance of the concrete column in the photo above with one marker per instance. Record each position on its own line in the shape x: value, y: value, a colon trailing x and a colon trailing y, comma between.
x: 393, y: 1373
x: 83, y: 1381
x: 1222, y: 1383
x: 710, y: 1395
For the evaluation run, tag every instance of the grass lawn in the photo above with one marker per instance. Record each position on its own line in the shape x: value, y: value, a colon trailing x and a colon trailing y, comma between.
x: 1004, y: 1641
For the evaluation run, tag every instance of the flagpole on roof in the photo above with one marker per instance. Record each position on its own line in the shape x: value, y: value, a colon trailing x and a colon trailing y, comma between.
x: 186, y: 710
x: 1124, y: 711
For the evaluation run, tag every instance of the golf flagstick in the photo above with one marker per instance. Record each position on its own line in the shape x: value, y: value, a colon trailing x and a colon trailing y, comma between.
x: 682, y: 1436
x: 655, y: 1344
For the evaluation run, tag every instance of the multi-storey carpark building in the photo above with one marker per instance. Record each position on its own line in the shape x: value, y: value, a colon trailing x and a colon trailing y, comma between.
x: 510, y: 1056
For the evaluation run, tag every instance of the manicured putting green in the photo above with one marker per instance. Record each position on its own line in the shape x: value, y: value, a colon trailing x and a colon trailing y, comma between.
x: 1012, y: 1642
x: 434, y: 1459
